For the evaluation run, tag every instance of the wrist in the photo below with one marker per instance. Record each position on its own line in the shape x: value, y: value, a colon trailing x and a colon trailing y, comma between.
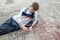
x: 31, y: 26
x: 22, y: 27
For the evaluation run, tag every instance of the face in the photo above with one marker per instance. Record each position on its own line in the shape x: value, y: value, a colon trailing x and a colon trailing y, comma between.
x: 31, y: 9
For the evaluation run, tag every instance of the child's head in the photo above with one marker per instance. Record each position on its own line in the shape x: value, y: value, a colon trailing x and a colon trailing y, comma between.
x: 34, y: 7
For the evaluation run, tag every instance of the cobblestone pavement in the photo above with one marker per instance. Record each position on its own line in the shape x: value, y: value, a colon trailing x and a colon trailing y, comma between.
x: 48, y: 27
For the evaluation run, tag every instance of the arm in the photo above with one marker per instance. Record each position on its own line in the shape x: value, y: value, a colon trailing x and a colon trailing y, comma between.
x: 19, y: 17
x: 35, y: 21
x: 22, y: 25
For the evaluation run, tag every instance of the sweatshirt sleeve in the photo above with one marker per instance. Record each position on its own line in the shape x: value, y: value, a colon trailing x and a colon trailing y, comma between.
x: 20, y: 14
x: 36, y: 18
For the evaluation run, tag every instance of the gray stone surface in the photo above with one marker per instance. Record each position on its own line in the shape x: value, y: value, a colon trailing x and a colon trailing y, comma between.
x: 49, y: 12
x: 18, y: 35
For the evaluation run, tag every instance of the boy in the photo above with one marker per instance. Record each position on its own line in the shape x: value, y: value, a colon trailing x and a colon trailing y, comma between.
x: 27, y: 17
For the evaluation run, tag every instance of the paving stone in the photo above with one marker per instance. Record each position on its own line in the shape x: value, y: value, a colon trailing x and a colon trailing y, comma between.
x: 48, y: 27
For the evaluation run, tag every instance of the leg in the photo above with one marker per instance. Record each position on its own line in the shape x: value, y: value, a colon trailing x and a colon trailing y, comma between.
x: 6, y: 30
x: 8, y: 26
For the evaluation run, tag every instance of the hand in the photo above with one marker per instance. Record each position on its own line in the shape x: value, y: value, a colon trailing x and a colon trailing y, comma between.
x: 26, y: 29
x: 30, y: 28
x: 23, y: 27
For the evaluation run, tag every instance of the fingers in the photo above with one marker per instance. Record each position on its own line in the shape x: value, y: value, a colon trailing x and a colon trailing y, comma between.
x: 27, y: 29
x: 30, y: 28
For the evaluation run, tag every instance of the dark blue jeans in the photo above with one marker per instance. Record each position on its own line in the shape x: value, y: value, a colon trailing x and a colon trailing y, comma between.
x: 11, y: 25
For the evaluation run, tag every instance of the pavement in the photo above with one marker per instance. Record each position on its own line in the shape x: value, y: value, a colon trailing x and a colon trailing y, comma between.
x: 48, y: 27
x: 18, y: 35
